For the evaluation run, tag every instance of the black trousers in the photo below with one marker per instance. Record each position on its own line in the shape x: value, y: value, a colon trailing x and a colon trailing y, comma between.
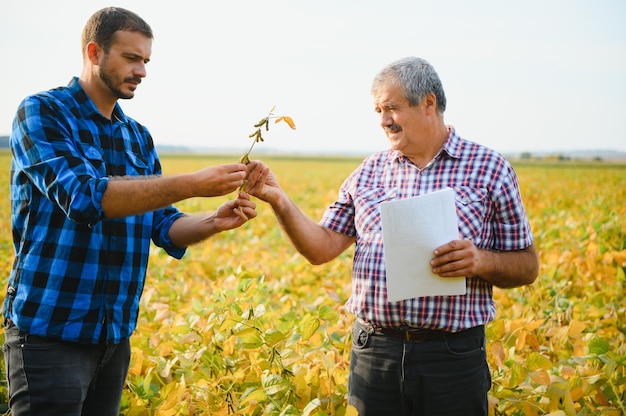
x: 51, y: 377
x: 446, y: 376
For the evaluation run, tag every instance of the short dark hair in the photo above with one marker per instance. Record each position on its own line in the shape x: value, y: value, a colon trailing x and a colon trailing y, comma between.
x: 102, y: 25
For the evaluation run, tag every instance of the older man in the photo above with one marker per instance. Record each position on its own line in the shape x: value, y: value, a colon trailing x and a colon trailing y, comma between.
x: 424, y: 355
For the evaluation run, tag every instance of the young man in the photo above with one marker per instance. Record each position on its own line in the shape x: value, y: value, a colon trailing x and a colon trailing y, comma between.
x: 425, y: 355
x: 87, y: 199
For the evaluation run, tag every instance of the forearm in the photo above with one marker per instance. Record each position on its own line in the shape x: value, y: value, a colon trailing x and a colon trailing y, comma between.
x: 131, y: 196
x: 507, y: 269
x: 192, y: 229
x: 136, y: 195
x: 316, y: 243
x: 503, y: 269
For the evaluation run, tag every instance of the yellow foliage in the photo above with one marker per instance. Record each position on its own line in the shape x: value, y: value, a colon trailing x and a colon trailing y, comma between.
x: 243, y: 324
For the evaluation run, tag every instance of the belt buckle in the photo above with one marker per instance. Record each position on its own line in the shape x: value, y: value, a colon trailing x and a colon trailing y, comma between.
x: 407, y: 335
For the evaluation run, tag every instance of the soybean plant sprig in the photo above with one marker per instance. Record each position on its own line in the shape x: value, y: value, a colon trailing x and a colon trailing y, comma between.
x: 257, y: 135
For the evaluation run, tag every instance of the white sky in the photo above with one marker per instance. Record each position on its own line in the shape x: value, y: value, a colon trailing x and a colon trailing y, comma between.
x: 526, y: 75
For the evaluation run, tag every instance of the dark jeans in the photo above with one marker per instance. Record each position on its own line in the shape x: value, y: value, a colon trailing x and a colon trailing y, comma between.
x: 391, y: 376
x: 50, y: 377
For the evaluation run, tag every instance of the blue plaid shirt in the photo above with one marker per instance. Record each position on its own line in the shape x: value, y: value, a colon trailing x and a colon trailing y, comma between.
x: 76, y: 275
x: 490, y: 211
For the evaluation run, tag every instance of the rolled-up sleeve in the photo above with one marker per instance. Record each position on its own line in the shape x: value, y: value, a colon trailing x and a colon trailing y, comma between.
x: 45, y: 155
x: 163, y: 220
x: 511, y: 227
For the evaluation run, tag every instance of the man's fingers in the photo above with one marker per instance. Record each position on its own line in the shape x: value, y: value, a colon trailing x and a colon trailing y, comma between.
x: 240, y: 213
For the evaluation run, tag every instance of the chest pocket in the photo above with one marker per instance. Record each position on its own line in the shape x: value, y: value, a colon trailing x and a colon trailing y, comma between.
x: 94, y: 157
x: 137, y: 164
x: 367, y: 209
x: 472, y: 206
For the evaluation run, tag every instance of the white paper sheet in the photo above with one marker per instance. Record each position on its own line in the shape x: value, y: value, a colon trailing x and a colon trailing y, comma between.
x: 412, y: 229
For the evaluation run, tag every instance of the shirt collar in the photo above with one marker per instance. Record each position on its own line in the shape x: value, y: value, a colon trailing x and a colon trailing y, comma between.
x: 88, y: 108
x: 451, y: 146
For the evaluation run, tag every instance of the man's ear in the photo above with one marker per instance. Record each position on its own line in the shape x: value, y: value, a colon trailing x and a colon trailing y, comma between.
x: 431, y: 102
x: 93, y: 52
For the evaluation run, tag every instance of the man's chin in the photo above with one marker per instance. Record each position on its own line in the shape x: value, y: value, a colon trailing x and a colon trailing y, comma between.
x: 126, y: 96
x: 394, y: 139
x: 128, y: 93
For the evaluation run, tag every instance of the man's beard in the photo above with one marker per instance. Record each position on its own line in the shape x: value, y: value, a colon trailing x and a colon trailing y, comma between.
x: 111, y: 81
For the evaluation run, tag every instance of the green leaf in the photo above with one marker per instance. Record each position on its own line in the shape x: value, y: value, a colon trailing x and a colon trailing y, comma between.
x: 254, y: 395
x: 536, y: 361
x: 518, y: 375
x: 598, y: 346
x: 308, y: 326
x: 273, y: 337
x: 290, y: 410
x: 250, y: 337
x: 273, y: 383
x: 327, y: 313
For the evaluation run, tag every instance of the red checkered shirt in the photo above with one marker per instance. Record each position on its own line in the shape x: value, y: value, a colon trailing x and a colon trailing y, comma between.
x: 490, y: 212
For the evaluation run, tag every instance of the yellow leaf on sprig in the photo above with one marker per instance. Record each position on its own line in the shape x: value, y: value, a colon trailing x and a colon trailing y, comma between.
x: 287, y: 120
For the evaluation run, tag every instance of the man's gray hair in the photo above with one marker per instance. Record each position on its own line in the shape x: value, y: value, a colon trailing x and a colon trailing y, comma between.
x: 417, y: 78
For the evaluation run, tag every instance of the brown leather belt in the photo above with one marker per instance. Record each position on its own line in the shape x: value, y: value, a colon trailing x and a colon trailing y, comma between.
x: 421, y: 334
x: 411, y: 334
